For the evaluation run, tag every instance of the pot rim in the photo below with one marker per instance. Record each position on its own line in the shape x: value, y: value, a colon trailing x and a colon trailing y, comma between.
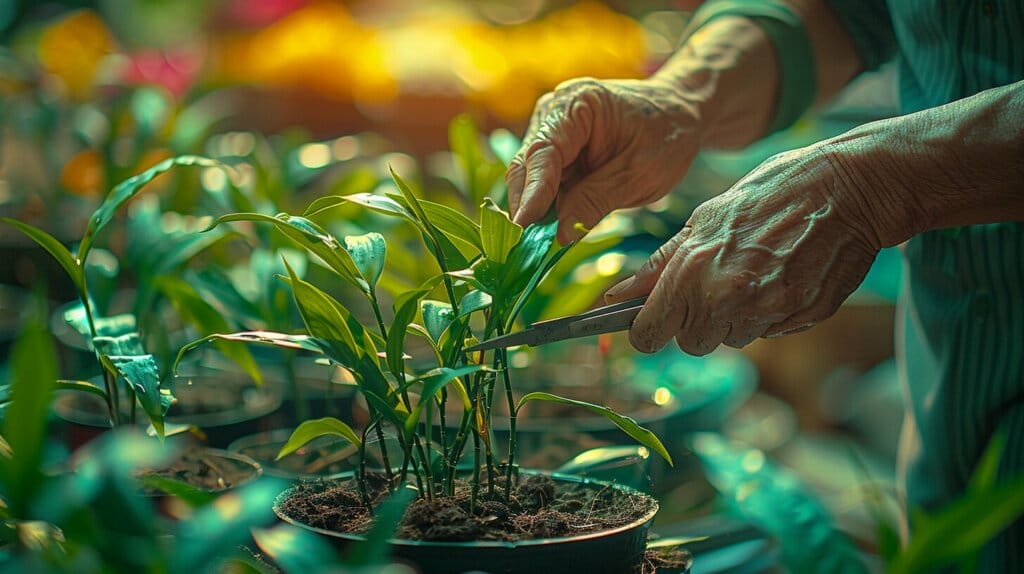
x: 249, y: 462
x: 646, y: 520
x: 234, y: 415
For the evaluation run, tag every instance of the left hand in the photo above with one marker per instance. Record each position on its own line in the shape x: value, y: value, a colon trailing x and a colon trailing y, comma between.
x: 775, y: 254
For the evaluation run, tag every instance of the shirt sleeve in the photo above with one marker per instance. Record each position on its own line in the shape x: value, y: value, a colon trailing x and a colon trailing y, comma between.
x: 870, y: 25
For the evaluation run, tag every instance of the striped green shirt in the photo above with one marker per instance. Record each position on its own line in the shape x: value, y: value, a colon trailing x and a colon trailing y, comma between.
x: 961, y: 331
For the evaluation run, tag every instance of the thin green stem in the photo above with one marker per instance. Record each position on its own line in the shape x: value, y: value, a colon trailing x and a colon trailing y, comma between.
x: 512, y: 415
x: 384, y: 452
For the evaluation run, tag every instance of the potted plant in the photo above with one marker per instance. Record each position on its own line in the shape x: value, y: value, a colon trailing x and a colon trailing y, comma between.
x: 486, y: 272
x: 130, y: 376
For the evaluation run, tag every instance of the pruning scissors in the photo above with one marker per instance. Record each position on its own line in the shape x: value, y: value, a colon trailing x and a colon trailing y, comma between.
x: 607, y: 319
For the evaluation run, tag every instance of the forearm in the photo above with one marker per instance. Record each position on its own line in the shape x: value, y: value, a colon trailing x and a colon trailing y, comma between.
x: 957, y: 164
x: 730, y: 69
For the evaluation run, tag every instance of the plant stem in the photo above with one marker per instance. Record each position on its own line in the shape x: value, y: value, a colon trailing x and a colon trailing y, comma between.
x: 301, y: 408
x: 384, y: 452
x: 376, y: 312
x: 361, y: 475
x: 512, y: 415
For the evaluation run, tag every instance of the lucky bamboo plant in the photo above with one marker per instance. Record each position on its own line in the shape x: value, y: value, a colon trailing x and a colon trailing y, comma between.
x: 486, y: 270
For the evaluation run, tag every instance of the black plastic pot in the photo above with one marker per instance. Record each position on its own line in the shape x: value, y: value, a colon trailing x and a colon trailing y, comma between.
x: 616, y: 551
x: 243, y: 408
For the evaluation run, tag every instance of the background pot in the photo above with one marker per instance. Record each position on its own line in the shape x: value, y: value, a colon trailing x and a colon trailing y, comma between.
x: 225, y: 407
x: 610, y: 552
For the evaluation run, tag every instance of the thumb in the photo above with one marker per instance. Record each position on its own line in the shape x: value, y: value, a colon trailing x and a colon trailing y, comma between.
x: 559, y: 140
x: 643, y: 282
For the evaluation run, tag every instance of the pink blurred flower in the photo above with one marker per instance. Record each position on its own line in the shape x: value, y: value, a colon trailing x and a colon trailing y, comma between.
x: 175, y: 71
x: 259, y: 13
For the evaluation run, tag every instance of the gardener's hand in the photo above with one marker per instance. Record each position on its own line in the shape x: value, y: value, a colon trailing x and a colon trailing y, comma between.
x: 596, y: 146
x: 775, y: 254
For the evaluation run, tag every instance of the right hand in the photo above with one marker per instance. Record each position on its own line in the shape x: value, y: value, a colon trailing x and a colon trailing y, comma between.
x: 594, y: 146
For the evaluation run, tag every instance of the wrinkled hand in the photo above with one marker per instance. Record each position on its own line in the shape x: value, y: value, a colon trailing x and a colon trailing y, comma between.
x: 596, y: 146
x: 775, y: 254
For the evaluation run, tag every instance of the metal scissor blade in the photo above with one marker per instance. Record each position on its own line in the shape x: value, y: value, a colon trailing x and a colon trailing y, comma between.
x: 618, y: 320
x: 599, y: 312
x: 525, y: 337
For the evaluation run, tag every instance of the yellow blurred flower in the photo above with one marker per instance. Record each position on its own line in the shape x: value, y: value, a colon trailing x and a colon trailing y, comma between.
x: 71, y: 49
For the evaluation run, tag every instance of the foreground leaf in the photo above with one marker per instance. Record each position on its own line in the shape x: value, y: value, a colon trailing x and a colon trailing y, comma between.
x: 626, y: 424
x: 282, y: 340
x: 310, y: 430
x: 497, y: 231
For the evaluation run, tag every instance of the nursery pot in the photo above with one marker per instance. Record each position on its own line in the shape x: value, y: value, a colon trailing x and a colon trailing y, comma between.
x: 225, y: 408
x: 207, y: 469
x: 613, y: 551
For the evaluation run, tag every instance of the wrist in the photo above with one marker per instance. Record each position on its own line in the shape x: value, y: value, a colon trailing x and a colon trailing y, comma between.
x: 871, y: 187
x: 712, y: 73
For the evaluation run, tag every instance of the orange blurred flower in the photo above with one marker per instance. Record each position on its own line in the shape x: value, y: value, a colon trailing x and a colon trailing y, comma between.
x: 84, y: 174
x: 71, y: 50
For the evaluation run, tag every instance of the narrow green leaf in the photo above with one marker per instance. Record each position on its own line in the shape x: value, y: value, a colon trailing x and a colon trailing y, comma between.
x: 453, y: 224
x: 497, y: 232
x: 143, y: 378
x: 127, y: 189
x: 193, y: 496
x: 962, y: 528
x: 128, y: 344
x: 368, y: 253
x: 270, y: 338
x: 433, y: 381
x: 986, y: 472
x: 626, y: 424
x: 474, y: 301
x: 379, y: 203
x: 323, y: 319
x: 411, y: 200
x: 207, y: 319
x: 55, y: 248
x: 437, y: 316
x: 310, y: 236
x: 316, y: 428
x: 405, y: 311
x: 373, y: 552
x: 387, y: 409
x: 33, y: 363
x: 81, y: 386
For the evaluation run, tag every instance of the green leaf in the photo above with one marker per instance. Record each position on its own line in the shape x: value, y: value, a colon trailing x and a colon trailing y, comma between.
x: 433, y: 381
x: 56, y: 249
x: 81, y: 386
x: 437, y: 316
x: 453, y: 224
x: 282, y: 340
x: 406, y: 306
x: 497, y: 231
x: 142, y: 375
x: 127, y: 344
x: 323, y: 318
x: 310, y: 430
x: 535, y: 280
x: 962, y: 528
x: 626, y: 424
x: 293, y: 549
x: 474, y: 301
x: 207, y: 319
x: 446, y: 253
x: 986, y: 472
x: 310, y: 236
x: 33, y: 363
x: 368, y: 253
x: 193, y: 496
x: 388, y: 409
x: 371, y: 554
x: 378, y: 203
x: 127, y: 189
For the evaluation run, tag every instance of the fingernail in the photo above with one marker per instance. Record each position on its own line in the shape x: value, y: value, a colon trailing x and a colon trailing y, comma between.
x: 619, y: 287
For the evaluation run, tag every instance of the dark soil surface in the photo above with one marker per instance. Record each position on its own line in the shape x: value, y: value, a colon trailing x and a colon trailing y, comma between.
x: 204, y: 470
x: 538, y: 507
